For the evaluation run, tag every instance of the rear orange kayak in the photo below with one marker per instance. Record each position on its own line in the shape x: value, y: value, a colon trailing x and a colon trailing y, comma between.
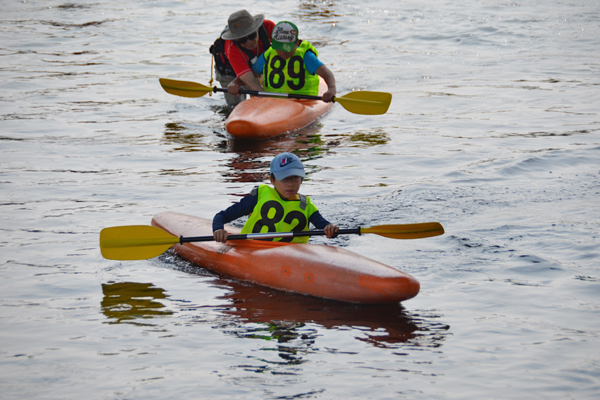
x: 266, y: 117
x: 312, y: 269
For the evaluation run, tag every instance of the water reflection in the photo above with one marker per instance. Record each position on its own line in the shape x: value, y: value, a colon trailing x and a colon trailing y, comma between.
x: 253, y: 158
x: 282, y: 317
x: 71, y: 6
x: 67, y: 26
x: 318, y: 10
x: 306, y: 142
x: 184, y: 139
x: 291, y: 321
x: 130, y: 302
x: 368, y: 139
x: 251, y: 163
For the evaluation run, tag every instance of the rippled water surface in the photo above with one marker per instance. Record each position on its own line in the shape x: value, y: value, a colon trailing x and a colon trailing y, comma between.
x: 493, y: 131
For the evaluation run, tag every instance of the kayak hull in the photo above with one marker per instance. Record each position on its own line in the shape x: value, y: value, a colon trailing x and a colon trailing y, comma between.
x: 310, y: 269
x: 266, y: 117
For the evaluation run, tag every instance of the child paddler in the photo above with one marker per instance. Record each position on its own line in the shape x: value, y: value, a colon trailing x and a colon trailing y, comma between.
x: 276, y: 209
x: 291, y: 65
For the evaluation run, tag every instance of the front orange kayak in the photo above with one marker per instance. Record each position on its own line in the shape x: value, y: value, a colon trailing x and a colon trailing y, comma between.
x: 311, y: 269
x: 266, y: 117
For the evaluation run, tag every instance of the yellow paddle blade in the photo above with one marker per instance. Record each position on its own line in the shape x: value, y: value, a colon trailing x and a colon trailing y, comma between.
x: 407, y: 231
x: 184, y: 88
x: 366, y: 103
x: 135, y: 242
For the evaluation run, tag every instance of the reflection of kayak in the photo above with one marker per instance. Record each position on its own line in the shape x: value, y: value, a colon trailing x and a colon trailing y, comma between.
x: 266, y: 117
x: 380, y: 324
x: 312, y: 269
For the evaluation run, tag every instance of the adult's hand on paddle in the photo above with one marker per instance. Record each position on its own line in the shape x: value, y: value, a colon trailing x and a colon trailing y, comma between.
x: 331, y: 230
x: 220, y: 235
x: 250, y: 81
x: 234, y: 88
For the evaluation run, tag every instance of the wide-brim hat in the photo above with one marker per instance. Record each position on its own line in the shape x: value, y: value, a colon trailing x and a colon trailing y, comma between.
x: 241, y: 24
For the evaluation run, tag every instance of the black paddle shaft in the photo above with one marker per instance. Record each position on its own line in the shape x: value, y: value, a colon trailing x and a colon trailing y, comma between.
x: 270, y: 94
x: 267, y: 236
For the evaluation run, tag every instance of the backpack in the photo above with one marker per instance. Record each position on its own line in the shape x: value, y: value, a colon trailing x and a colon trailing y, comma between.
x: 217, y: 49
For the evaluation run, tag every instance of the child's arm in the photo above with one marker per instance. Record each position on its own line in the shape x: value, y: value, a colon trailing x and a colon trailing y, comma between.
x: 259, y: 66
x: 321, y: 223
x: 314, y: 66
x: 235, y: 211
x: 329, y: 78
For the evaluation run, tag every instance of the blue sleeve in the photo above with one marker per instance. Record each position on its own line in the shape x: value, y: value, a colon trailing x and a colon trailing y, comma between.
x: 237, y: 210
x: 311, y: 62
x: 318, y: 221
x: 259, y: 65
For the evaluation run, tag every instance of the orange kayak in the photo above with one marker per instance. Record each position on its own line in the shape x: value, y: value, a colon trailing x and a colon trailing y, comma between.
x: 266, y: 117
x: 311, y: 269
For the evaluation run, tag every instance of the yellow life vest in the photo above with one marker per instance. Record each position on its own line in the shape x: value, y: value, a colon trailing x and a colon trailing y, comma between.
x: 273, y: 214
x: 290, y: 76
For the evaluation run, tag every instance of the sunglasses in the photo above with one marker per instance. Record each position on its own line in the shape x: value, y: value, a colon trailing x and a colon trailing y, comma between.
x: 251, y: 36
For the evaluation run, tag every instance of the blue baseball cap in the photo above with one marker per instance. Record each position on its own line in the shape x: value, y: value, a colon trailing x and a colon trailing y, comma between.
x: 285, y: 165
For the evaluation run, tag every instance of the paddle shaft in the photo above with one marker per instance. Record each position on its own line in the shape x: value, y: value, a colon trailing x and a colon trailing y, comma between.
x: 351, y: 104
x: 272, y: 94
x: 272, y: 235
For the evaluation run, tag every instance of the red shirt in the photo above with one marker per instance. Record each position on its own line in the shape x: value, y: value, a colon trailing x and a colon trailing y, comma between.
x: 239, y: 59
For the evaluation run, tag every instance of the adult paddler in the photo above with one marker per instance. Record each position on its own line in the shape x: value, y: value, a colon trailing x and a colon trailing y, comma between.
x: 246, y: 38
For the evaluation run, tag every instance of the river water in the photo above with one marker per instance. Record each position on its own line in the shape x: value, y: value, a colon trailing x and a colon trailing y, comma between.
x: 493, y: 131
